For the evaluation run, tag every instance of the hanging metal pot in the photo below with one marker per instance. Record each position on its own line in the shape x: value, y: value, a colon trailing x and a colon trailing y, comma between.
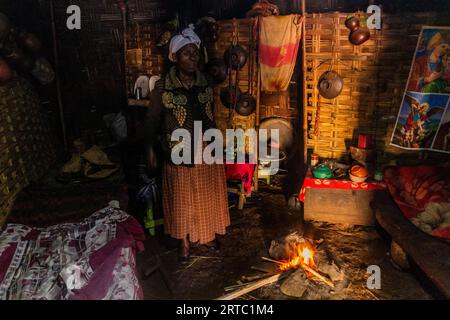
x: 246, y: 105
x: 286, y: 136
x: 217, y: 69
x: 230, y: 96
x: 235, y: 57
x: 330, y: 85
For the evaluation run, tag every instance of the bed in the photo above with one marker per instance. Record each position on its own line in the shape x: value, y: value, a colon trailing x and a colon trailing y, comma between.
x: 411, y: 191
x: 92, y: 259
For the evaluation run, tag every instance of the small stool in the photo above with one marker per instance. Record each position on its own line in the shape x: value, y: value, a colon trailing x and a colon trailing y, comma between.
x: 240, y: 191
x: 151, y: 223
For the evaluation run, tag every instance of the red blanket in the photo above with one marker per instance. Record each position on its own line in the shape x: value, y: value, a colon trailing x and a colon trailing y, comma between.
x: 414, y: 187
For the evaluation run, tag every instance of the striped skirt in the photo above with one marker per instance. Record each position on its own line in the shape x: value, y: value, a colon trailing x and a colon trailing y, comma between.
x: 195, y: 201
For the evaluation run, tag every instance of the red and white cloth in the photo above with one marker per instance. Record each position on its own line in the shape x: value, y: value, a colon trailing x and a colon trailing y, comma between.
x: 279, y: 40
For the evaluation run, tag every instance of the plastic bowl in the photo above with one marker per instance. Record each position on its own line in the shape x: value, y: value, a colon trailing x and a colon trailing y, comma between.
x: 357, y: 179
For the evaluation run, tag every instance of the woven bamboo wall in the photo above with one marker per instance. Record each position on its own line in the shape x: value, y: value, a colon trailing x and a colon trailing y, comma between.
x: 374, y: 73
x: 26, y: 145
x: 243, y: 29
x: 141, y: 41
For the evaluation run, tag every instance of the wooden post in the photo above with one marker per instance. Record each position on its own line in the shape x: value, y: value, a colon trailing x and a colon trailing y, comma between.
x: 258, y: 102
x: 57, y: 78
x: 305, y: 97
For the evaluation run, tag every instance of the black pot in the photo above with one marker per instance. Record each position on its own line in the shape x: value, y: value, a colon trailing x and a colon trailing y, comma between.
x: 217, y: 69
x: 230, y: 96
x: 246, y: 105
x: 235, y: 57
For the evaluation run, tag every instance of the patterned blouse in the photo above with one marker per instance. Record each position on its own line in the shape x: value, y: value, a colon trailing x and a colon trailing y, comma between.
x: 173, y: 106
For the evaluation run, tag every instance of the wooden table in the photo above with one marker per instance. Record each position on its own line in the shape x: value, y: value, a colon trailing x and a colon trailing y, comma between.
x: 339, y: 201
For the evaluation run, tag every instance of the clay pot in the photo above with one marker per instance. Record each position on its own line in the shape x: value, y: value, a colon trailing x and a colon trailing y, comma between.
x: 330, y: 85
x: 235, y: 57
x: 352, y: 23
x: 359, y: 36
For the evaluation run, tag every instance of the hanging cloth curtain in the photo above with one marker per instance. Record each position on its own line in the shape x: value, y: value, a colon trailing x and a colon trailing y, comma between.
x: 278, y: 47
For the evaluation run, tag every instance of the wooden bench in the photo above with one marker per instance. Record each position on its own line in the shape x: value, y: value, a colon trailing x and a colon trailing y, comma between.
x: 430, y: 254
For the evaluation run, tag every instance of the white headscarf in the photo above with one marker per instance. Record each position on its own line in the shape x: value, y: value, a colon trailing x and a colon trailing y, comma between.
x: 187, y: 36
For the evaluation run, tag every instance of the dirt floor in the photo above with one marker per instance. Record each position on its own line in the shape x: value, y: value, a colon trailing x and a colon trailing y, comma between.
x: 266, y: 217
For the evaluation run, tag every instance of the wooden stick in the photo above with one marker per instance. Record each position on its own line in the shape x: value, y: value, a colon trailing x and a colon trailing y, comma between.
x: 261, y: 269
x: 255, y: 277
x: 271, y: 260
x: 251, y: 287
x: 318, y: 275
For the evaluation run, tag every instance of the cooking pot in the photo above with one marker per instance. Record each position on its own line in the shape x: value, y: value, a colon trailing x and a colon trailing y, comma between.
x: 230, y: 96
x: 246, y: 105
x: 29, y: 42
x: 359, y: 36
x: 235, y: 57
x: 5, y: 26
x: 217, y: 69
x: 5, y: 72
x: 330, y: 85
x: 285, y: 139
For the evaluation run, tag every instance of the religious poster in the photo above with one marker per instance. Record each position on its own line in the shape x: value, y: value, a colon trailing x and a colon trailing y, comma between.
x: 423, y: 121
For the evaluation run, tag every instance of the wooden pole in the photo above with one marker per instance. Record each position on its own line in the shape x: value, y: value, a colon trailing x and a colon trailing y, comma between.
x: 57, y: 78
x: 258, y: 102
x: 305, y: 97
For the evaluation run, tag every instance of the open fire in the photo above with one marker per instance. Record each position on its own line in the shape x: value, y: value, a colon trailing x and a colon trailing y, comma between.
x: 303, y: 255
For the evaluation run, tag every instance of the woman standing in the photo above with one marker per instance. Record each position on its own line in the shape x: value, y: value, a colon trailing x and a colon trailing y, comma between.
x: 194, y: 195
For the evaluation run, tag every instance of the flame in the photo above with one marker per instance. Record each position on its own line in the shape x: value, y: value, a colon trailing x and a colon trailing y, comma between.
x: 304, y: 255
